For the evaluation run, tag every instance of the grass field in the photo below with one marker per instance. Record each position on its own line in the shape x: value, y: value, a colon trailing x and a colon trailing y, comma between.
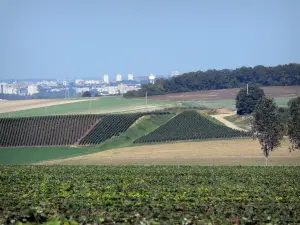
x: 230, y: 103
x: 102, y: 105
x: 27, y: 155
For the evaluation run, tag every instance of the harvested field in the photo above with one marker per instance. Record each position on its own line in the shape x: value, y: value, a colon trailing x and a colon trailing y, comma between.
x: 227, y: 94
x: 223, y: 152
x: 17, y: 105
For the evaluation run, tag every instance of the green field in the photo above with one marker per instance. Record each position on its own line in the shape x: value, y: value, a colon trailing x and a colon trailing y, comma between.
x: 102, y: 105
x: 27, y: 155
x: 149, y: 195
x: 230, y: 103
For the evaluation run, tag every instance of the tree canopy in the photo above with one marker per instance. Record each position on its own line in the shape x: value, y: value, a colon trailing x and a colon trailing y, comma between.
x: 294, y: 123
x: 266, y: 125
x: 86, y: 94
x: 282, y: 75
x: 245, y: 102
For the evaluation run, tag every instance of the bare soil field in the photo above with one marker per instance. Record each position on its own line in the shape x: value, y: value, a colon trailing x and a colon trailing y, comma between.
x: 279, y: 91
x: 16, y: 105
x: 223, y: 152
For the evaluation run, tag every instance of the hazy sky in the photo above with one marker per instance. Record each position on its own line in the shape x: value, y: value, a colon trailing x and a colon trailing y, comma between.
x: 72, y: 38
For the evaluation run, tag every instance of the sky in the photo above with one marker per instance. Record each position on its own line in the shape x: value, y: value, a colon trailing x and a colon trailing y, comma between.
x: 86, y: 39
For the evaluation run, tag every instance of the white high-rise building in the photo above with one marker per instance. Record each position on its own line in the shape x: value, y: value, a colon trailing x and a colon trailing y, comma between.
x: 106, y: 78
x: 2, y: 87
x: 119, y: 77
x: 130, y: 76
x: 152, y: 78
x: 32, y: 89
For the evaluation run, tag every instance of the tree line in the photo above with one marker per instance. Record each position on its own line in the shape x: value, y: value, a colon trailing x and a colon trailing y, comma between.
x: 281, y: 75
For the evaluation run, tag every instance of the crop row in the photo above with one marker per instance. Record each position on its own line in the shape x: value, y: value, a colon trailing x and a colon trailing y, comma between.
x: 150, y: 195
x: 64, y: 129
x: 41, y: 131
x: 190, y: 125
x: 109, y: 126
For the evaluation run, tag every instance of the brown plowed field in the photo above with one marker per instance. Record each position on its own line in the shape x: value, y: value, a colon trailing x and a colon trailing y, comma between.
x: 280, y: 91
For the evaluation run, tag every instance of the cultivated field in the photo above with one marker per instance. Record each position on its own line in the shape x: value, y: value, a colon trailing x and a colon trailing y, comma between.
x: 229, y: 94
x: 225, y: 98
x: 17, y: 105
x: 100, y: 105
x: 222, y: 152
x: 149, y: 195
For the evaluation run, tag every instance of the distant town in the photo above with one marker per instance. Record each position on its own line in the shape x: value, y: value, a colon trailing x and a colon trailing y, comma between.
x: 72, y: 88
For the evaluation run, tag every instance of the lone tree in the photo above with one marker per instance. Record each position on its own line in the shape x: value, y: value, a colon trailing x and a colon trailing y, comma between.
x: 86, y: 94
x: 294, y: 123
x: 266, y: 126
x: 245, y: 102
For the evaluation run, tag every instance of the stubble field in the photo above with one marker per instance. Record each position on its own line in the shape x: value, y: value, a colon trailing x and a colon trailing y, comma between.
x: 221, y: 152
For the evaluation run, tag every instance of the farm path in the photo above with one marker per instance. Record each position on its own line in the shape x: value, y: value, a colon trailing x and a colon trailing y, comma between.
x: 221, y: 118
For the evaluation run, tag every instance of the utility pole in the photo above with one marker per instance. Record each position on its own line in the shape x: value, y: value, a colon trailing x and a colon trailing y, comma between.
x: 247, y: 89
x: 45, y: 110
x: 146, y: 101
x: 90, y: 105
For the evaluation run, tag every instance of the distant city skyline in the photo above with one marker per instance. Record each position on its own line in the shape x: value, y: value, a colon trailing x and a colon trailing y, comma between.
x: 72, y: 38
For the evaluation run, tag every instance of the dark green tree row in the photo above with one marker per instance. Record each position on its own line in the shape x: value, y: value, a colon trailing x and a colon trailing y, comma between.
x: 282, y: 75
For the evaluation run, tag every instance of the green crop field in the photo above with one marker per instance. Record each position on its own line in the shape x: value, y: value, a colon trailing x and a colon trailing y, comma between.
x: 149, y: 195
x: 230, y: 103
x: 101, y: 105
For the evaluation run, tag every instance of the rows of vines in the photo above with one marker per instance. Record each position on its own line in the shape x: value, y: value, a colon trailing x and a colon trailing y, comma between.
x: 64, y: 129
x: 109, y: 126
x: 43, y: 131
x: 190, y: 125
x: 149, y: 195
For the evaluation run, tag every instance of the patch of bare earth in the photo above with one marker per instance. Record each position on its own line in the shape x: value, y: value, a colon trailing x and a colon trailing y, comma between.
x: 17, y: 105
x: 222, y: 152
x: 273, y: 91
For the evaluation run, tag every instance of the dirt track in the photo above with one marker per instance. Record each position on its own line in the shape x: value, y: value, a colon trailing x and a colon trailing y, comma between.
x: 12, y: 106
x: 223, y: 152
x: 280, y: 91
x: 221, y: 118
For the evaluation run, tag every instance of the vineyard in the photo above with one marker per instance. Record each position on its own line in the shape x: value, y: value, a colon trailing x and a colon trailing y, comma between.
x: 43, y: 131
x: 149, y: 195
x: 62, y: 130
x: 190, y: 125
x: 109, y: 126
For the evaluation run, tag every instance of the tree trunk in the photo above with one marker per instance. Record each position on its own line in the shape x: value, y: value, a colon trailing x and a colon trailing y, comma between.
x: 266, y: 160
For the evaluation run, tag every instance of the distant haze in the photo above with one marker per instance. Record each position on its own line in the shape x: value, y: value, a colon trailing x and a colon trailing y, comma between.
x: 86, y: 39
